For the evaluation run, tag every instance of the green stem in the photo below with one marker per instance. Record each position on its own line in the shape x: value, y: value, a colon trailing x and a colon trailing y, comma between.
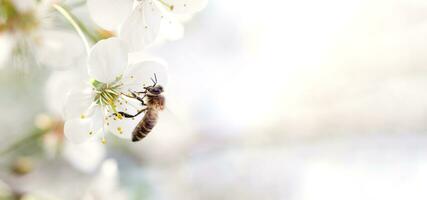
x: 76, y: 4
x: 34, y: 135
x: 78, y: 25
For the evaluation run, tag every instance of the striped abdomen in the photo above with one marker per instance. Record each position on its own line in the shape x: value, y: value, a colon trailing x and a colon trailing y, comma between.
x: 145, y: 125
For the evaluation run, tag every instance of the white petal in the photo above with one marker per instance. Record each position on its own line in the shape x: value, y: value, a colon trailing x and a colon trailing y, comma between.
x: 141, y: 74
x: 6, y: 44
x: 78, y: 130
x: 78, y: 102
x: 142, y: 27
x: 123, y: 127
x: 85, y: 157
x: 107, y: 60
x: 185, y: 6
x: 109, y: 14
x: 57, y: 87
x: 59, y: 49
x: 97, y: 119
x: 139, y: 56
x: 171, y: 28
x: 105, y: 184
x: 60, y: 83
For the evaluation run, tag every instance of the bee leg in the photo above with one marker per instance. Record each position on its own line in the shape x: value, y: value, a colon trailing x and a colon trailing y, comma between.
x: 141, y: 99
x: 134, y: 96
x: 144, y: 92
x: 126, y: 115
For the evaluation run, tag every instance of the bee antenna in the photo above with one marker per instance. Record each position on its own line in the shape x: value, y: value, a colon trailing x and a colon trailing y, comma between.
x: 154, y: 80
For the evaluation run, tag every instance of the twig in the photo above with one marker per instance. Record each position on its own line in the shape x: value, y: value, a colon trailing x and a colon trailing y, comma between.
x: 34, y: 135
x: 78, y: 25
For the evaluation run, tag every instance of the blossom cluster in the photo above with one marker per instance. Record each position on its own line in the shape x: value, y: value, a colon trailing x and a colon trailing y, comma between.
x: 99, y: 72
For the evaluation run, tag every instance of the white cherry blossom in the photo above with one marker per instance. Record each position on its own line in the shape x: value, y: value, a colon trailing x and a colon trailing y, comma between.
x: 26, y: 34
x: 140, y: 26
x: 109, y: 14
x: 56, y: 89
x: 106, y: 184
x: 94, y: 154
x: 93, y: 108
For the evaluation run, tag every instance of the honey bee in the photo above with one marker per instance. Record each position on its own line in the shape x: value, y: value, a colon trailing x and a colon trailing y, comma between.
x: 155, y: 103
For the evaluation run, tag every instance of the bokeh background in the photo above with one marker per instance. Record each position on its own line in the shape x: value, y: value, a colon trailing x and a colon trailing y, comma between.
x: 289, y: 100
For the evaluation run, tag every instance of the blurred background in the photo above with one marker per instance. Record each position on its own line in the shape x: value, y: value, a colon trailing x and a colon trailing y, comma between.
x: 289, y: 100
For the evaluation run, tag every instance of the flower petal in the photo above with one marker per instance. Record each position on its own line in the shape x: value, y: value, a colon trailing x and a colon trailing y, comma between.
x: 57, y: 87
x: 142, y: 27
x: 107, y: 60
x: 94, y: 153
x: 6, y: 43
x: 59, y: 49
x: 141, y: 74
x: 171, y: 28
x: 109, y: 14
x: 185, y: 6
x: 78, y: 102
x: 78, y: 130
x: 97, y: 119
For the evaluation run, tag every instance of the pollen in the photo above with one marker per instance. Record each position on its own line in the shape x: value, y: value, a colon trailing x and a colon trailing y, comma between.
x: 120, y: 130
x: 82, y: 116
x: 90, y: 133
x: 119, y: 116
x: 104, y: 141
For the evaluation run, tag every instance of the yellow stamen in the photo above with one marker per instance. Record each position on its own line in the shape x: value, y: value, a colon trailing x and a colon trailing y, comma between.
x: 167, y: 5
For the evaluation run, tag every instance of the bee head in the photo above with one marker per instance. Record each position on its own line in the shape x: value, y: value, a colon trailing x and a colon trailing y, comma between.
x: 155, y: 90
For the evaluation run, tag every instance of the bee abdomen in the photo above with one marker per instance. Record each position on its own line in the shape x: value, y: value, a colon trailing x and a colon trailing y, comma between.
x: 145, y: 125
